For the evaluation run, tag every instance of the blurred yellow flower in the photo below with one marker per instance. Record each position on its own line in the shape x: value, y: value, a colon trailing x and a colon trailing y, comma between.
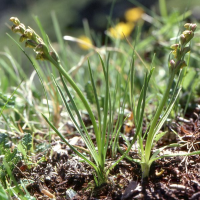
x: 133, y: 14
x: 121, y: 29
x: 84, y: 42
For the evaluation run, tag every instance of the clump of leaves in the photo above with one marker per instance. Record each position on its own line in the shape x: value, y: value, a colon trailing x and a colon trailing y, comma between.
x: 25, y: 145
x: 11, y: 157
x: 147, y: 142
x: 102, y: 127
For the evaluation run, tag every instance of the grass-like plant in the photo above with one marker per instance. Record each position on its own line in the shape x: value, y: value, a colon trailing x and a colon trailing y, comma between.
x: 102, y: 126
x: 147, y: 141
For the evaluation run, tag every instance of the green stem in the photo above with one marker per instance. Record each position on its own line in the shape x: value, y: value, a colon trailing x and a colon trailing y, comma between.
x: 80, y: 94
x: 151, y: 132
x: 145, y: 169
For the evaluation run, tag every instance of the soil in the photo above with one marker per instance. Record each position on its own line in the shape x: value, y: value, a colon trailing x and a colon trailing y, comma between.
x: 60, y: 173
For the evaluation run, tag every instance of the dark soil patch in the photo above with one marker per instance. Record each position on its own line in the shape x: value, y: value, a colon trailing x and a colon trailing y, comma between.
x: 65, y: 177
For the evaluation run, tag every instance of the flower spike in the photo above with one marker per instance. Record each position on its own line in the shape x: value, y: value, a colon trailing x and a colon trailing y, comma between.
x: 180, y: 50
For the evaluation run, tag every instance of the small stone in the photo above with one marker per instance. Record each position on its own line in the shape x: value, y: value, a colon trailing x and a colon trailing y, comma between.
x: 70, y: 193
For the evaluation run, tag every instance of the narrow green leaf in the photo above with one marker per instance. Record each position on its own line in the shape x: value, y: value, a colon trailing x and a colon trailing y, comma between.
x: 85, y: 135
x: 90, y: 92
x: 97, y: 104
x: 166, y: 114
x: 159, y: 136
x: 64, y: 140
x: 59, y: 36
x: 3, y: 194
x: 176, y: 154
x: 44, y: 35
x: 106, y: 105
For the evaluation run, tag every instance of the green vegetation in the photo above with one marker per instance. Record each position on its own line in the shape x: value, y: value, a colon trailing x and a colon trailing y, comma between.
x: 117, y: 78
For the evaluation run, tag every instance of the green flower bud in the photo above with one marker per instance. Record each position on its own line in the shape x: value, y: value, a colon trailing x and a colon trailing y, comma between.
x: 54, y: 56
x: 40, y: 56
x: 28, y: 33
x: 189, y: 26
x: 174, y: 53
x: 41, y: 48
x: 174, y: 46
x: 193, y: 27
x: 22, y: 38
x: 22, y: 28
x: 188, y: 35
x: 31, y: 43
x: 15, y: 20
x: 15, y: 28
x: 177, y: 53
x: 172, y: 63
x: 182, y: 40
x: 18, y: 29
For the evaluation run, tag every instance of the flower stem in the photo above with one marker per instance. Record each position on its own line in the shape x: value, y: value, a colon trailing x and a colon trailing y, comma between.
x: 151, y: 132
